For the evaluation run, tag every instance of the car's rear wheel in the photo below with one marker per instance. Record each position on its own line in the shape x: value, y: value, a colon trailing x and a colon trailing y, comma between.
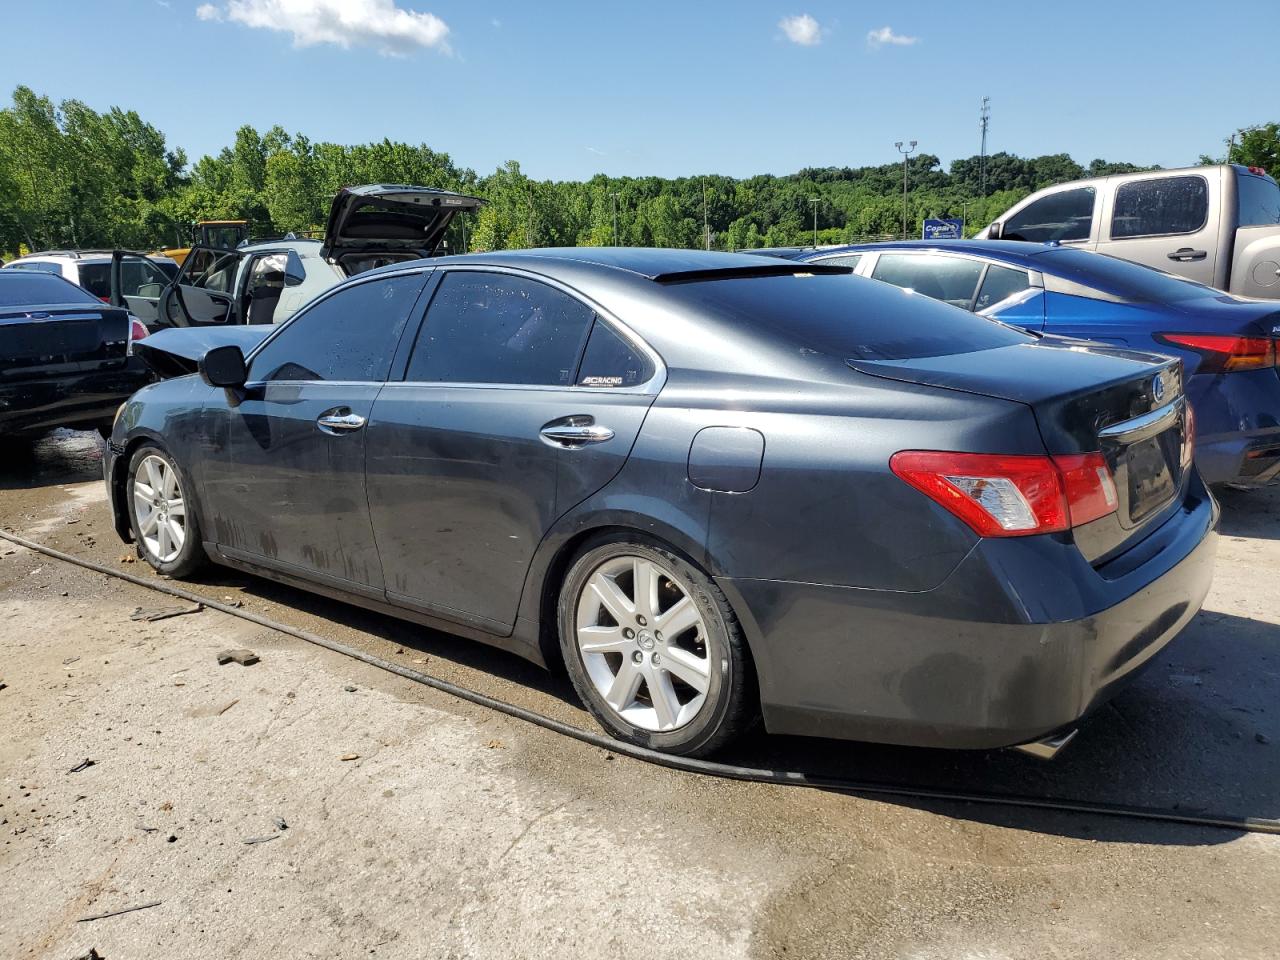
x: 654, y: 649
x: 163, y: 518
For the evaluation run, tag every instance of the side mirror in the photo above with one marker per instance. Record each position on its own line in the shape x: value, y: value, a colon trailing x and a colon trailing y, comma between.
x: 994, y: 231
x: 224, y: 367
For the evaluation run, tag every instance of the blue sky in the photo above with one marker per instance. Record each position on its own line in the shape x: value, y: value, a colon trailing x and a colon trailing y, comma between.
x: 664, y: 88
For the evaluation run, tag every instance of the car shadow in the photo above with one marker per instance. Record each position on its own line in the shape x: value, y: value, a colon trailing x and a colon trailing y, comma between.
x: 1197, y: 733
x: 58, y: 457
x: 433, y: 644
x: 1251, y: 513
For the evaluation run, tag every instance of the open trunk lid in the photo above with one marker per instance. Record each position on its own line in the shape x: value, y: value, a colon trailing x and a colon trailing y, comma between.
x: 1127, y: 404
x: 48, y: 340
x: 396, y: 220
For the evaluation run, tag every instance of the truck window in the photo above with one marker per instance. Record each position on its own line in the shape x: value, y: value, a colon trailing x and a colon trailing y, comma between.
x: 1259, y: 200
x: 1065, y: 215
x: 1160, y: 207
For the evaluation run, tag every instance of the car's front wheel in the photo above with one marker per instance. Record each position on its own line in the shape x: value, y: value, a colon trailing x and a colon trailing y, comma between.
x: 654, y: 649
x: 163, y: 517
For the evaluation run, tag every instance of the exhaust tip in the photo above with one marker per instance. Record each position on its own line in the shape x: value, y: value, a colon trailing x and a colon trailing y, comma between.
x: 1049, y: 747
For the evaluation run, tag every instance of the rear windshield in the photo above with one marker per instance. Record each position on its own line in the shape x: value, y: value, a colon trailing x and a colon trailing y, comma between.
x: 19, y: 287
x: 1259, y: 200
x: 849, y: 317
x: 1121, y: 278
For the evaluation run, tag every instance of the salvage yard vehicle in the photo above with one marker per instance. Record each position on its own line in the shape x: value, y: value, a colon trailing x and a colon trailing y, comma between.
x: 1228, y: 345
x: 66, y: 359
x: 1217, y: 225
x: 711, y: 486
x: 91, y: 269
x: 263, y: 283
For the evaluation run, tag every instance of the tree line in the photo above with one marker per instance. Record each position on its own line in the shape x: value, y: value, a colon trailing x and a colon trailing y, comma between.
x: 73, y: 177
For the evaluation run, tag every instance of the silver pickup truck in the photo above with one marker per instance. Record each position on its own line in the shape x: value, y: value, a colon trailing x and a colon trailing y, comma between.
x: 1219, y: 225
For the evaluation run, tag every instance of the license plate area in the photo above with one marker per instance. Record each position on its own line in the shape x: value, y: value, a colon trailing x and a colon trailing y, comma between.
x: 1147, y: 469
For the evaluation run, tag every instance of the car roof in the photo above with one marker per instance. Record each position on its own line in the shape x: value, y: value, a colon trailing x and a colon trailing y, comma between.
x: 298, y: 244
x: 618, y: 263
x: 1008, y: 251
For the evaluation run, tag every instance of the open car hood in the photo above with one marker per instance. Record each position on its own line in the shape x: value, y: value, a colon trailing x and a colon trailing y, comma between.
x: 176, y: 352
x: 391, y: 218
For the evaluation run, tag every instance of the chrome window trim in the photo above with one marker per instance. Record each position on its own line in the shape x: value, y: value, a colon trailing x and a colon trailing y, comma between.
x: 651, y: 386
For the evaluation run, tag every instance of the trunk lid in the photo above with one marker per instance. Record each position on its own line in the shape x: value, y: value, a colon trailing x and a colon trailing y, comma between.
x: 44, y: 341
x: 1127, y: 404
x: 399, y: 220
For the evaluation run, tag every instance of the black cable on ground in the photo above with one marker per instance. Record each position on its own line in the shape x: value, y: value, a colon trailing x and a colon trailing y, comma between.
x: 795, y: 778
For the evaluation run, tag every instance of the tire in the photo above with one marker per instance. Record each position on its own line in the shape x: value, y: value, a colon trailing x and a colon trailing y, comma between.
x: 171, y: 509
x: 688, y: 691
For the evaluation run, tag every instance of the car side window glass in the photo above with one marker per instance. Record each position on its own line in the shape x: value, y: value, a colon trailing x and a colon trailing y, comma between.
x: 1258, y: 200
x: 38, y: 266
x: 610, y: 361
x: 498, y: 328
x: 999, y: 285
x: 950, y: 279
x: 1065, y: 215
x: 850, y: 260
x: 1160, y: 207
x: 350, y: 335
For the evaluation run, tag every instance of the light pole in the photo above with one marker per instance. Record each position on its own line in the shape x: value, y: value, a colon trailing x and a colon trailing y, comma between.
x: 905, y: 154
x: 615, y: 218
x: 706, y: 226
x: 815, y: 201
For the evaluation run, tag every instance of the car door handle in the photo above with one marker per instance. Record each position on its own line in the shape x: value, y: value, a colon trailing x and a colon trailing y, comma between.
x: 1186, y: 254
x: 575, y: 431
x: 340, y: 421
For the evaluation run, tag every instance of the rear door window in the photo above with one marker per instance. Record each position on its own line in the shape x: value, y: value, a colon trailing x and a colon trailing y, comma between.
x: 498, y: 328
x: 1258, y: 199
x: 1163, y: 206
x: 999, y: 285
x: 953, y: 280
x: 1063, y: 216
x: 610, y: 361
x: 351, y: 335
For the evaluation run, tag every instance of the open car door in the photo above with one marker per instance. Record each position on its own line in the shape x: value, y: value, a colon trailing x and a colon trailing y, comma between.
x: 204, y: 292
x: 382, y: 223
x: 137, y: 283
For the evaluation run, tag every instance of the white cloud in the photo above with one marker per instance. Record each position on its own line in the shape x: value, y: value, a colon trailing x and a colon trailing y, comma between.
x: 598, y: 153
x: 389, y: 29
x: 885, y: 35
x: 801, y: 29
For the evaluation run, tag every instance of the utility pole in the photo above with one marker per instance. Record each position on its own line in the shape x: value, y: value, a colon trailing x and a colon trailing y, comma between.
x: 905, y: 154
x: 615, y: 218
x: 815, y: 201
x: 964, y: 217
x: 984, y: 120
x: 706, y: 227
x: 1231, y: 146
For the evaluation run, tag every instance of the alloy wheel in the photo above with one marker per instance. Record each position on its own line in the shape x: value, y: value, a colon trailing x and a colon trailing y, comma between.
x: 160, y: 509
x: 644, y: 643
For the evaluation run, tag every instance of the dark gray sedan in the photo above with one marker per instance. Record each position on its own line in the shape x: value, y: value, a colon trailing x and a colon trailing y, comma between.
x: 713, y: 487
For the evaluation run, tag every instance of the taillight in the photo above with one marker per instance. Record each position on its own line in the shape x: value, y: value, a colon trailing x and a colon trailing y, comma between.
x: 137, y: 331
x: 1225, y: 354
x: 1006, y: 495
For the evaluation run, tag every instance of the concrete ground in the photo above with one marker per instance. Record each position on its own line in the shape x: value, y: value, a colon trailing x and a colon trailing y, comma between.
x: 420, y: 826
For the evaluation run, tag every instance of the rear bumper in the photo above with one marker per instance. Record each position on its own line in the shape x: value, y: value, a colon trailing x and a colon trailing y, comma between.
x: 1022, y: 640
x: 69, y: 400
x: 1237, y: 426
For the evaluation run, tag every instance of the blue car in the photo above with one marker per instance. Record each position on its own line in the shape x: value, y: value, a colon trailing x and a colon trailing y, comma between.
x: 1227, y: 344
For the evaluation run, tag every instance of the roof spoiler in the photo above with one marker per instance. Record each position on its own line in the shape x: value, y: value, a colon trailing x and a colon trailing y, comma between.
x: 783, y: 269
